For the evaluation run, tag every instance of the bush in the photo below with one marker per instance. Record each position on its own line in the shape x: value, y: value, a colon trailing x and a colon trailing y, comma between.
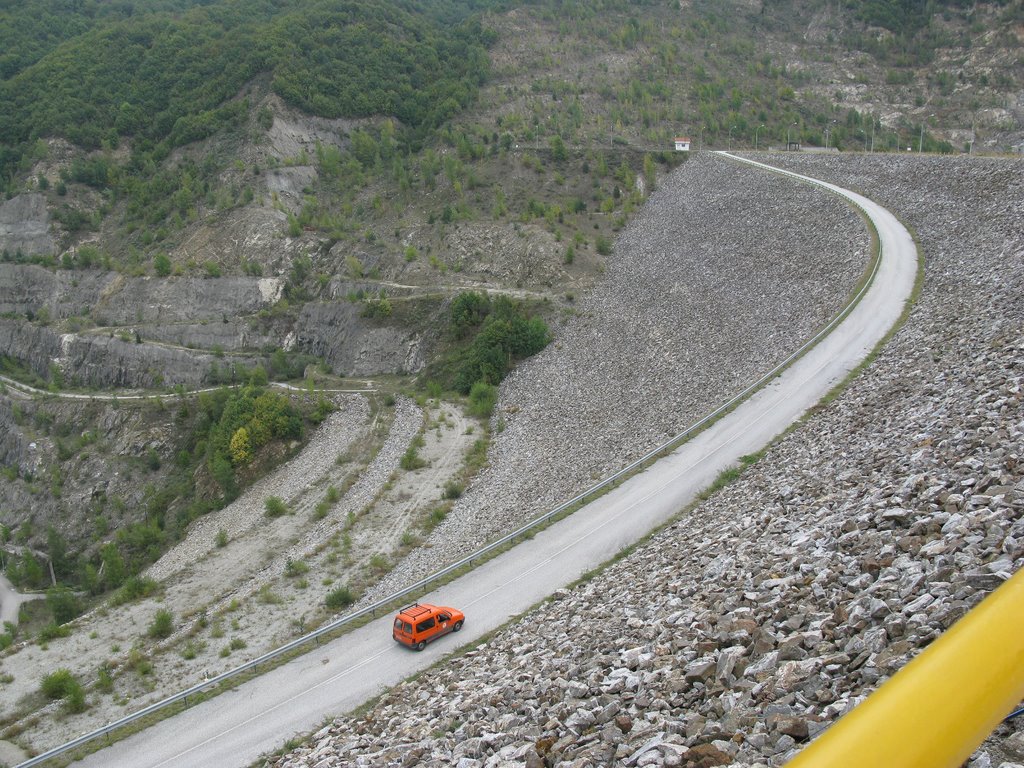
x: 64, y: 604
x: 411, y: 459
x: 275, y: 507
x: 162, y: 265
x: 453, y: 489
x: 482, y: 399
x: 57, y: 684
x: 74, y: 699
x: 134, y: 588
x: 339, y: 598
x: 162, y: 626
x: 53, y: 631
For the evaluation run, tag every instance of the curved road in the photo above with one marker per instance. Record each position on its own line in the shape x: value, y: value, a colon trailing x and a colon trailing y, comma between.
x: 235, y: 728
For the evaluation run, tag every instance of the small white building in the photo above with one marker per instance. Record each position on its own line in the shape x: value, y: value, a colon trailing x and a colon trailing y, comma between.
x: 682, y: 143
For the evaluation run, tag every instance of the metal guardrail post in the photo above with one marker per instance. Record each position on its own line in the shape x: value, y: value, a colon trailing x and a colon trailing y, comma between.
x: 935, y: 711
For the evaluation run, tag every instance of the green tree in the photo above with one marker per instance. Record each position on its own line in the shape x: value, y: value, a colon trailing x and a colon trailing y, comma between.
x: 241, y: 447
x: 162, y: 265
x: 64, y: 604
x: 114, y: 572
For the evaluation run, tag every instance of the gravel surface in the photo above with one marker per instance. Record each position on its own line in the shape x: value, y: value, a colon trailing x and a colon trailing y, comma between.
x: 726, y: 271
x: 766, y: 612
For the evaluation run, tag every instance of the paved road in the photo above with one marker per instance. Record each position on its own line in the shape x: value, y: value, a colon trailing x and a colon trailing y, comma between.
x: 236, y: 727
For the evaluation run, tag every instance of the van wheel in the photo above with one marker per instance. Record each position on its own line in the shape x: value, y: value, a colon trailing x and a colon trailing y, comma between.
x: 457, y: 626
x: 420, y: 645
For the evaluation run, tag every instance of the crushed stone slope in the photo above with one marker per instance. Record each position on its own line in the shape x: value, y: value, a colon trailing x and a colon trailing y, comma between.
x: 770, y: 609
x: 726, y: 271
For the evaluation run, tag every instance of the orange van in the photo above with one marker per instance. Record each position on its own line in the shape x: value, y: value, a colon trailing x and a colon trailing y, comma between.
x: 421, y: 623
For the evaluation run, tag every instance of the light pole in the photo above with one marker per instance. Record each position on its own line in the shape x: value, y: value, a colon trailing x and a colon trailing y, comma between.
x: 788, y: 139
x: 700, y: 138
x: 872, y: 134
x: 733, y: 128
x: 920, y: 142
x: 755, y: 136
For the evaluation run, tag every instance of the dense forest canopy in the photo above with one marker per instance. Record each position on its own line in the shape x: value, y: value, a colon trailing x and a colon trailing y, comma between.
x: 166, y: 71
x: 163, y: 73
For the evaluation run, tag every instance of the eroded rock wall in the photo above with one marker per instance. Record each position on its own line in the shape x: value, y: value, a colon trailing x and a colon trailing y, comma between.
x: 354, y: 346
x: 25, y: 225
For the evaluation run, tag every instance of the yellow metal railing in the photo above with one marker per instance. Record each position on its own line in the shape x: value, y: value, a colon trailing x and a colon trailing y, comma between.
x: 935, y: 711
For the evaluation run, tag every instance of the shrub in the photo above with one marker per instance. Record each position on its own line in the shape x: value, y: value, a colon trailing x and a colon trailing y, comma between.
x: 57, y: 684
x: 162, y: 626
x: 53, y: 631
x: 339, y: 598
x: 64, y: 604
x: 482, y: 398
x: 411, y: 459
x: 162, y: 265
x: 275, y: 507
x: 74, y: 698
x: 135, y: 587
x: 603, y: 245
x: 104, y: 680
x: 453, y: 489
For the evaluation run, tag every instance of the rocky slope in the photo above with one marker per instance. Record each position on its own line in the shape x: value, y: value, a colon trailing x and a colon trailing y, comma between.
x: 727, y: 270
x: 767, y: 611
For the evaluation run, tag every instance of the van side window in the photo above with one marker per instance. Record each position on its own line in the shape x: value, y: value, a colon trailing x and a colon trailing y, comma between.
x: 444, y: 617
x: 423, y: 626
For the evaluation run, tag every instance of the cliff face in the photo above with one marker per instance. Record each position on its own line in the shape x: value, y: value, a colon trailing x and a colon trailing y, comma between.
x: 26, y: 288
x: 111, y: 362
x: 185, y: 324
x: 16, y: 449
x: 25, y: 225
x: 184, y: 299
x: 352, y: 345
x: 32, y: 345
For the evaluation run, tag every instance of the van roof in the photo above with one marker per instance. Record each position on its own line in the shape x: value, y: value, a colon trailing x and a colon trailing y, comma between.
x: 414, y: 610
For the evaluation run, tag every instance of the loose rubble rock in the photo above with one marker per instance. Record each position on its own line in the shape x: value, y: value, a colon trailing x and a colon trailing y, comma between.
x: 708, y: 288
x: 771, y: 609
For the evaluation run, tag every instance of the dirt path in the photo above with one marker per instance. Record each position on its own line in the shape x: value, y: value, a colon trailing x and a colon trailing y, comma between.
x: 11, y: 601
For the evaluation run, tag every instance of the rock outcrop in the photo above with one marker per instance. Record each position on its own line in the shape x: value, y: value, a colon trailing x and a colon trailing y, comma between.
x: 355, y: 346
x: 25, y: 225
